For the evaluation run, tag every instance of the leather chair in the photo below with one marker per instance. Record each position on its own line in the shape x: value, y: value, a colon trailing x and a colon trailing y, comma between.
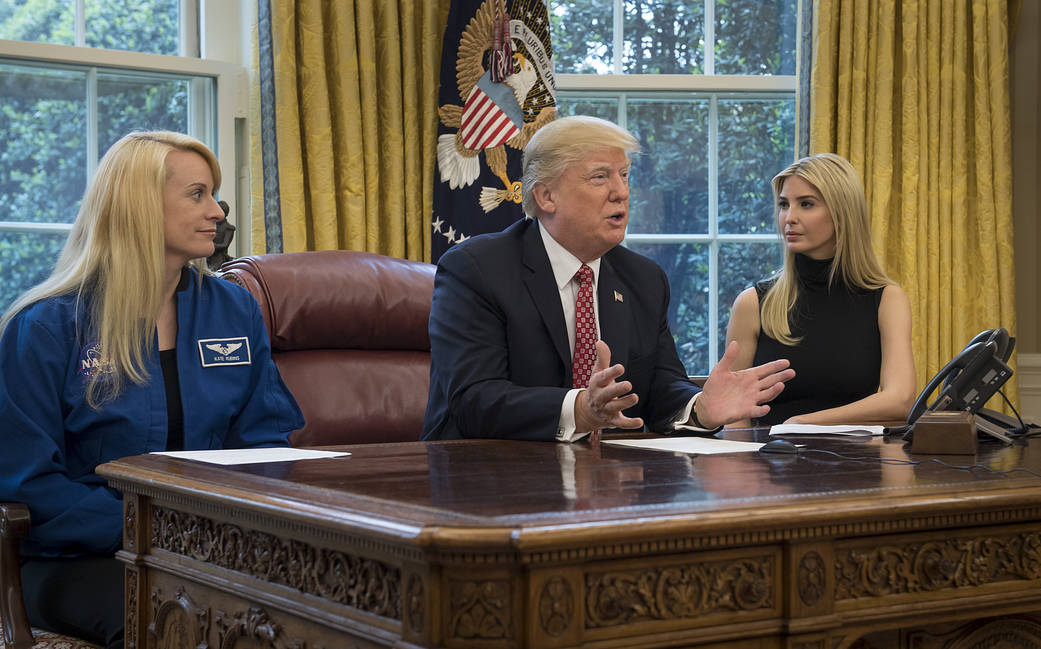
x: 349, y: 335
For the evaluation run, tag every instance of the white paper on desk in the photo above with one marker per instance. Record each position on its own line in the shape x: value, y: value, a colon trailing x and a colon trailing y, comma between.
x: 252, y: 455
x: 814, y: 429
x: 693, y: 445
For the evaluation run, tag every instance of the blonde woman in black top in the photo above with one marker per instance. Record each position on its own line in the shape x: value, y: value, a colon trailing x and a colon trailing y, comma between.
x: 831, y: 310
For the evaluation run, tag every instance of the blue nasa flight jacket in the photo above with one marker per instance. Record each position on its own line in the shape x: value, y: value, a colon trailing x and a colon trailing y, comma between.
x: 51, y: 440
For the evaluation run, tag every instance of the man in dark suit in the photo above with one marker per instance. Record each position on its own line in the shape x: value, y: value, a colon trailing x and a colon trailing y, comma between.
x: 510, y: 320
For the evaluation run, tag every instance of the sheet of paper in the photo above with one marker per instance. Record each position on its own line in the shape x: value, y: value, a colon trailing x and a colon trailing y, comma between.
x: 814, y: 429
x: 694, y: 445
x: 252, y: 455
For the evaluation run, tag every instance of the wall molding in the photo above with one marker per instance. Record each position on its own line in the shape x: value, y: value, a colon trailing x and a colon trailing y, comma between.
x: 1029, y: 369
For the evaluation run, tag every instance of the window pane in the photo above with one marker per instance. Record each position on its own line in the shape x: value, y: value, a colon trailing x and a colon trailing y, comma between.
x: 670, y: 175
x: 686, y: 266
x: 755, y: 37
x: 27, y: 259
x: 756, y: 141
x: 43, y: 165
x: 43, y: 158
x: 136, y: 103
x: 664, y: 37
x: 140, y: 26
x: 585, y: 50
x: 707, y: 158
x: 740, y: 266
x: 602, y: 107
x: 38, y: 21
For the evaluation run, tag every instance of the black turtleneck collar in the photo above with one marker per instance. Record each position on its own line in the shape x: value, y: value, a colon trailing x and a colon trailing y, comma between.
x: 186, y: 277
x: 813, y: 272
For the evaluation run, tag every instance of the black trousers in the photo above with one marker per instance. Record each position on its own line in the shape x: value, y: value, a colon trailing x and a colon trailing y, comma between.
x: 81, y: 597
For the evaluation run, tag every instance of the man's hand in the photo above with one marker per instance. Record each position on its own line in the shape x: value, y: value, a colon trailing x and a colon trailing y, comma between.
x: 730, y: 396
x: 601, y: 404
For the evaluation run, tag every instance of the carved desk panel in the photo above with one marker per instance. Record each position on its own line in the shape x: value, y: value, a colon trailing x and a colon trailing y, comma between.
x: 489, y: 544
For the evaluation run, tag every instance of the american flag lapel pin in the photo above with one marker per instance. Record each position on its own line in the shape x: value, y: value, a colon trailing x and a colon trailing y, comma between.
x: 618, y: 297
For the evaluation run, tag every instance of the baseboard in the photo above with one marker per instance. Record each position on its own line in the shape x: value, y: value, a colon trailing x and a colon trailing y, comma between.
x: 1029, y: 371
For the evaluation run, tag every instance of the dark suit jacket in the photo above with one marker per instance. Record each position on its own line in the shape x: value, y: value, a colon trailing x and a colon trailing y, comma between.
x: 500, y: 361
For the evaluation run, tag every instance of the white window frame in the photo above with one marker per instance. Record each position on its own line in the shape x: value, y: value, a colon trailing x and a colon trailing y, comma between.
x: 623, y: 86
x: 231, y: 95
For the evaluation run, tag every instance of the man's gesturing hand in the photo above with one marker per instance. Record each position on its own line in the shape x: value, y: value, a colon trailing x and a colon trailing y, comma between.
x: 601, y: 404
x: 730, y: 396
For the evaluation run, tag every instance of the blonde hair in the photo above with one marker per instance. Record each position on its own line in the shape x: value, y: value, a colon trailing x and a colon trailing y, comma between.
x: 854, y: 264
x: 114, y: 257
x: 563, y: 142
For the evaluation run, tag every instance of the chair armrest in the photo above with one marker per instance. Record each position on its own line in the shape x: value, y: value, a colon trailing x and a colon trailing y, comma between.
x: 14, y: 523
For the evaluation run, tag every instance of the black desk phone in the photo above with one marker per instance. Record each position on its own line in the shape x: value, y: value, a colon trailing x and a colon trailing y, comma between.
x: 969, y: 380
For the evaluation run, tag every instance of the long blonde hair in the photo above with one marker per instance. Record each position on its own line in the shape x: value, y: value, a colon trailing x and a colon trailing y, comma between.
x: 113, y: 260
x: 855, y: 263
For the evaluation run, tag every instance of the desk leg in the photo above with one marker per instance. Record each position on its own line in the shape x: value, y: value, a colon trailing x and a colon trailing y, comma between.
x: 809, y: 585
x: 135, y: 544
x: 556, y: 605
x: 419, y: 606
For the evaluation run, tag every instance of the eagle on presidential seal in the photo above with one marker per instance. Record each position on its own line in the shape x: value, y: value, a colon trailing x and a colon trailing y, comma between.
x: 509, y: 94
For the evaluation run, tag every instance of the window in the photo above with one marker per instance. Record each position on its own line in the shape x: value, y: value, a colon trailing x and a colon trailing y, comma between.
x: 708, y: 87
x: 77, y: 76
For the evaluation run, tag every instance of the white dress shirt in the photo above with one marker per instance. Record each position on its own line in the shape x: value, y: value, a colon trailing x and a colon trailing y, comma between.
x: 565, y: 265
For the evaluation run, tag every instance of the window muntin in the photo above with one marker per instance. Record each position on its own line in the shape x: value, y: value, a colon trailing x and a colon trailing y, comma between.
x: 151, y: 26
x: 43, y: 169
x: 701, y: 203
x: 58, y: 120
x: 64, y: 105
x: 694, y: 37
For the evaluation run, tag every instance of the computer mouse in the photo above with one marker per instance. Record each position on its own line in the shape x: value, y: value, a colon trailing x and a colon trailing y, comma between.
x: 779, y: 446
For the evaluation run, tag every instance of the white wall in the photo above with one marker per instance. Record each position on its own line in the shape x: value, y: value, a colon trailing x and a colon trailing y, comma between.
x: 1030, y: 387
x: 1026, y: 195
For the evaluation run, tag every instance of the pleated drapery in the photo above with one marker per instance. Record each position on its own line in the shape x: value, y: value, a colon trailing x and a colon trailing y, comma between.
x: 345, y: 118
x: 915, y: 93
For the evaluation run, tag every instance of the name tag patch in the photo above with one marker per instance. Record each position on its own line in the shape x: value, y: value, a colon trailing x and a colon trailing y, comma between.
x: 224, y: 351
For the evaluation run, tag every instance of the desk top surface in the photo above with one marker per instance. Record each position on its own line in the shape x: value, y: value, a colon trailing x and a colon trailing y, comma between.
x: 404, y: 488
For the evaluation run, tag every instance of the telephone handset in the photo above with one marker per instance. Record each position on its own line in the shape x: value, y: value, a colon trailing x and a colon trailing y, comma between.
x: 969, y: 380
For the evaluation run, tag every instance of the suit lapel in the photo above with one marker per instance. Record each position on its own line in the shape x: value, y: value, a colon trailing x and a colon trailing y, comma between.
x: 614, y: 311
x: 542, y: 287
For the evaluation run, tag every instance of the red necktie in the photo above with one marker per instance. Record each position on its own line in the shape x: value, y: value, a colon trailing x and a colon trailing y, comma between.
x: 585, y: 332
x: 585, y: 329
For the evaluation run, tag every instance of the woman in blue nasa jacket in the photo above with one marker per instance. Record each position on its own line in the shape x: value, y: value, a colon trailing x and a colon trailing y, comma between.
x: 129, y: 347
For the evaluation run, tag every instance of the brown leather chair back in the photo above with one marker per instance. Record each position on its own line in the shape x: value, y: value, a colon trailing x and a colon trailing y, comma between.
x: 349, y: 335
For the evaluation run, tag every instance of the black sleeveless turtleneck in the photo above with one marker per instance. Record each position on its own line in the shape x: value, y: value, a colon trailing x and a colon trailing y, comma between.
x: 839, y: 358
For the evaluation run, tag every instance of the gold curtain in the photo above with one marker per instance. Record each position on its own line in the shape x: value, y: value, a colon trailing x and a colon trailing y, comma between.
x: 355, y: 120
x: 915, y: 93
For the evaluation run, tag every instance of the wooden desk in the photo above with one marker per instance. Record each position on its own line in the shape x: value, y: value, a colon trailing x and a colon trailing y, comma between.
x: 487, y: 544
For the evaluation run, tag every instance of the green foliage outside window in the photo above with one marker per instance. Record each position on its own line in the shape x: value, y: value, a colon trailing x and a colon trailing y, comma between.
x: 667, y: 36
x: 44, y: 118
x: 131, y: 25
x: 670, y: 186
